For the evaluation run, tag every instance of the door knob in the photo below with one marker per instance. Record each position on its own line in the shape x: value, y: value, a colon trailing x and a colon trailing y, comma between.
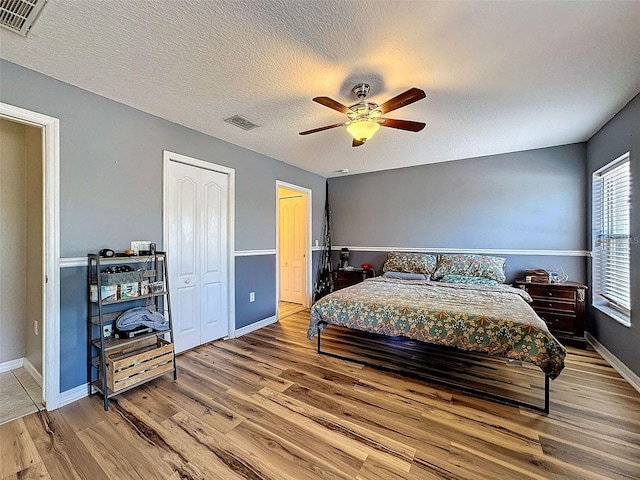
x: 187, y: 281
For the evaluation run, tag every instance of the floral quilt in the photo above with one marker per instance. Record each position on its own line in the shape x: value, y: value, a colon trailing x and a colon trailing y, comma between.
x: 492, y: 319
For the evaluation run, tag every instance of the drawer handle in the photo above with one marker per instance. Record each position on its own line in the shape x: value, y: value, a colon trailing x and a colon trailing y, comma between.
x: 550, y: 294
x: 551, y: 304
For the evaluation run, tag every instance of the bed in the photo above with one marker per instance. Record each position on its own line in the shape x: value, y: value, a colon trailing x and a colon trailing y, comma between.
x: 479, y: 314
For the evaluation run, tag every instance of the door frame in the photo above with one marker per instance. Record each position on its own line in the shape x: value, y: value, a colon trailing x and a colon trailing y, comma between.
x: 308, y: 264
x: 51, y: 246
x: 231, y: 209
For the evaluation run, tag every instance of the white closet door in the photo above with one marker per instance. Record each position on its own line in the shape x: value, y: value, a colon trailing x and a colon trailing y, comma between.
x: 213, y: 261
x: 197, y: 210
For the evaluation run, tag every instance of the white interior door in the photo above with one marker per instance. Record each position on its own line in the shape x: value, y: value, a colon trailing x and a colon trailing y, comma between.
x: 213, y: 260
x: 292, y: 248
x: 197, y: 244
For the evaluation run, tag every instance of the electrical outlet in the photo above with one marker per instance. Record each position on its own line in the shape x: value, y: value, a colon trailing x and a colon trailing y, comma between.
x: 252, y: 296
x: 107, y: 330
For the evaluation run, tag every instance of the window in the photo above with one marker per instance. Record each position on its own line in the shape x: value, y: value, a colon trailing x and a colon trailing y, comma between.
x: 612, y: 239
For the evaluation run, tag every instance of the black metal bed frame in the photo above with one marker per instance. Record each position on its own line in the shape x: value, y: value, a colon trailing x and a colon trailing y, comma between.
x: 479, y: 393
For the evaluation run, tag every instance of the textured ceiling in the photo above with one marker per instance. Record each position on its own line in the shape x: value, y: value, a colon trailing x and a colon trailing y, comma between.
x: 499, y: 76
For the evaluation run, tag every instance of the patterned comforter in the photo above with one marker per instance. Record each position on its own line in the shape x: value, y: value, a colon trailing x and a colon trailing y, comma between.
x: 494, y: 320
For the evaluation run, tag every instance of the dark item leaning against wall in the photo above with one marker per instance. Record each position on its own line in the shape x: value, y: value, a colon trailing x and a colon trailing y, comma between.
x: 323, y: 278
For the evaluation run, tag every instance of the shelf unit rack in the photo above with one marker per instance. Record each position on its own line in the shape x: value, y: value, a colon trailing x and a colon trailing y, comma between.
x: 137, y: 353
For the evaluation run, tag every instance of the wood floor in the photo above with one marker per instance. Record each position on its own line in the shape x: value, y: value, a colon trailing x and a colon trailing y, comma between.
x: 286, y: 309
x: 267, y: 406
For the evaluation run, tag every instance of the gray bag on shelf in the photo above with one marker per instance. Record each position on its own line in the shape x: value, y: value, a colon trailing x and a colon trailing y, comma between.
x: 141, y: 317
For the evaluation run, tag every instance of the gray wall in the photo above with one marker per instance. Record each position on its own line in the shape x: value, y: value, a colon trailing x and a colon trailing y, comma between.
x: 620, y: 135
x: 111, y: 168
x: 532, y: 200
x: 111, y: 192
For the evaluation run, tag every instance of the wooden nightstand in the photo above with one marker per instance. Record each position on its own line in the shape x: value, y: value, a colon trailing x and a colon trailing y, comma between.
x: 346, y: 278
x: 561, y: 306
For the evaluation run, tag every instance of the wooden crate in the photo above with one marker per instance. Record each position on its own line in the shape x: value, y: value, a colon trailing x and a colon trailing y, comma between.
x: 136, y: 362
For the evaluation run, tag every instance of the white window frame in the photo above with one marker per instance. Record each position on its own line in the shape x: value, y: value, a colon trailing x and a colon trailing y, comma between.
x: 617, y: 305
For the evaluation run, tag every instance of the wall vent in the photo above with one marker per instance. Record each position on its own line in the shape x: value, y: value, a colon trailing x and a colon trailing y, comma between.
x: 19, y: 15
x: 241, y: 122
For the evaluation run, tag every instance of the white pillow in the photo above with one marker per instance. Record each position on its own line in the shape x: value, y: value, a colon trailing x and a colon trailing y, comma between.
x: 406, y: 276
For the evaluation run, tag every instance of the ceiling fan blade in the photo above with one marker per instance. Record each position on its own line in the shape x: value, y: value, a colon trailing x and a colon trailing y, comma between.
x: 331, y: 103
x: 402, y: 124
x: 402, y: 100
x: 357, y: 143
x: 322, y: 128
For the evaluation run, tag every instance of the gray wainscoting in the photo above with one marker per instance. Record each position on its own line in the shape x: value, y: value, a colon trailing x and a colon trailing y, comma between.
x: 573, y: 266
x: 74, y: 349
x: 255, y: 273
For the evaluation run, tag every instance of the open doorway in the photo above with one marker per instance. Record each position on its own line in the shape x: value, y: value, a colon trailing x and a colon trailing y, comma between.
x: 20, y: 269
x: 293, y: 248
x: 29, y: 261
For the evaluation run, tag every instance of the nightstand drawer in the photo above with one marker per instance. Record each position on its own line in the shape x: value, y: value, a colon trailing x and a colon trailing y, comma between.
x: 546, y: 292
x: 558, y: 322
x: 553, y: 305
x: 561, y: 306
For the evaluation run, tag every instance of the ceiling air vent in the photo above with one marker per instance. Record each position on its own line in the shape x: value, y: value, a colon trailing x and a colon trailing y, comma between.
x: 19, y: 15
x: 240, y: 122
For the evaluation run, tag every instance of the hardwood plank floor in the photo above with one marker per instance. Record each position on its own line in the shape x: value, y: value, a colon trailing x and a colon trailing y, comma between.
x: 267, y: 406
x: 286, y: 309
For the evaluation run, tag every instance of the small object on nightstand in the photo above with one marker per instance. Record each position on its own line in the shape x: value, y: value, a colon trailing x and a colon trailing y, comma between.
x: 344, y: 258
x: 561, y: 306
x: 537, y: 276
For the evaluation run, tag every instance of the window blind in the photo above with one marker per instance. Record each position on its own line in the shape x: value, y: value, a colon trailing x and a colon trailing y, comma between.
x: 612, y: 239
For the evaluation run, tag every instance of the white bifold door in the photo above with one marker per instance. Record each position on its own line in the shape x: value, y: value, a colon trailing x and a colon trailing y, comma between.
x: 197, y: 253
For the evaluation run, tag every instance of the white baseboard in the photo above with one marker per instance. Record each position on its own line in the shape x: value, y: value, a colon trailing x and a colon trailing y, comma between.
x: 11, y: 365
x: 73, y: 395
x: 617, y: 365
x: 35, y: 374
x: 255, y: 326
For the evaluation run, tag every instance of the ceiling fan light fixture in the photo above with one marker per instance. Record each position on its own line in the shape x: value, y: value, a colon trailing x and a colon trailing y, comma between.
x: 365, y: 118
x: 363, y: 129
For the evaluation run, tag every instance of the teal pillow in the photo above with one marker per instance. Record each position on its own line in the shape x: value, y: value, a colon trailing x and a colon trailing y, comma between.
x: 470, y: 266
x: 409, y: 263
x: 471, y: 280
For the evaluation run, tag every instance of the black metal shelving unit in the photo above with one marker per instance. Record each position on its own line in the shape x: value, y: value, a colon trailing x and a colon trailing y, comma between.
x: 101, y: 314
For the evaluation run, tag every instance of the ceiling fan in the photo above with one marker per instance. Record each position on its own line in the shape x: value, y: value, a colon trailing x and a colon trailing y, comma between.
x: 365, y: 117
